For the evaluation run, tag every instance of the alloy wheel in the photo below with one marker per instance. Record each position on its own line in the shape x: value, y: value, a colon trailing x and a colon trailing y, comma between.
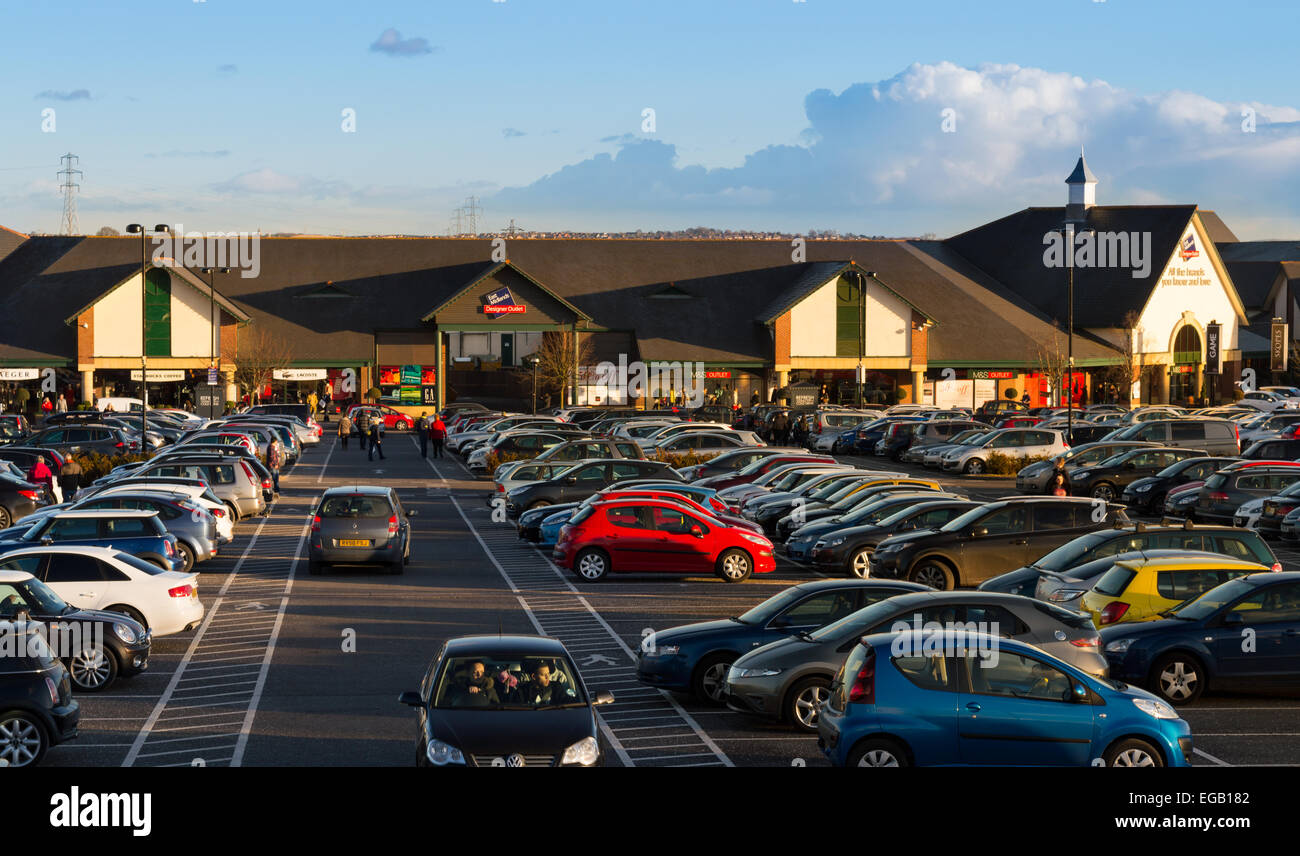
x: 90, y: 668
x: 861, y: 565
x: 1179, y: 680
x: 807, y: 703
x: 712, y: 681
x: 878, y: 758
x: 592, y: 566
x: 1134, y: 758
x: 20, y: 741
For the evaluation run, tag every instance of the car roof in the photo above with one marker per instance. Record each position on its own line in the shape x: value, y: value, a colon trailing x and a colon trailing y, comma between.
x: 78, y: 549
x: 488, y: 645
x: 106, y: 512
x: 848, y: 582
x: 1189, y: 563
x: 352, y: 490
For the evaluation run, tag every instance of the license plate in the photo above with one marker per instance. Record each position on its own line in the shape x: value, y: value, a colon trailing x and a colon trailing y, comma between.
x: 354, y: 543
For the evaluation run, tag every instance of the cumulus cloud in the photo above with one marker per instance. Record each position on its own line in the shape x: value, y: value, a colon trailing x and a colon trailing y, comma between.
x: 270, y: 182
x: 73, y: 95
x: 391, y: 42
x: 941, y: 147
x: 508, y: 133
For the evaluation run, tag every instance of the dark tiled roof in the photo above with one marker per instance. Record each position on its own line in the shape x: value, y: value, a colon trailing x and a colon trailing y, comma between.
x: 1254, y: 282
x: 1260, y: 251
x: 9, y: 241
x: 1081, y: 172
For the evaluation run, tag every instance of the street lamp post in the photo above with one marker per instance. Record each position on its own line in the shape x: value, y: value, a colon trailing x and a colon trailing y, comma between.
x: 134, y: 228
x: 534, y: 361
x: 1069, y: 297
x: 214, y: 334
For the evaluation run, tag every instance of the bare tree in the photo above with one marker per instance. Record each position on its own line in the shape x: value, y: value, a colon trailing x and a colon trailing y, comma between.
x: 558, y: 361
x: 1128, y: 369
x: 107, y: 231
x: 256, y: 356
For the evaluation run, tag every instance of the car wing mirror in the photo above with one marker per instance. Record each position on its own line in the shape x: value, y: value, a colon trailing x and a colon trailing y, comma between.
x: 979, y: 532
x: 697, y: 532
x: 410, y: 698
x: 604, y: 697
x: 1080, y: 692
x: 571, y: 480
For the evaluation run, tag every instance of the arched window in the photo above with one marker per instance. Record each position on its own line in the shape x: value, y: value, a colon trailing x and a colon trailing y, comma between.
x: 1187, y: 346
x: 157, y: 313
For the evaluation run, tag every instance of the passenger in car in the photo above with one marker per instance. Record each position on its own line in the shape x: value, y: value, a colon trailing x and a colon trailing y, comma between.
x: 473, y: 688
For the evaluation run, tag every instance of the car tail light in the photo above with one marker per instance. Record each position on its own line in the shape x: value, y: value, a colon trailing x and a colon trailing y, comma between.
x: 248, y: 472
x: 30, y: 494
x: 1093, y: 641
x: 1277, y: 567
x: 315, y: 523
x: 218, y: 512
x: 266, y: 484
x: 392, y: 525
x: 171, y: 549
x: 180, y: 591
x: 501, y: 488
x: 1113, y: 611
x: 863, y: 690
x: 119, y: 445
x: 54, y: 690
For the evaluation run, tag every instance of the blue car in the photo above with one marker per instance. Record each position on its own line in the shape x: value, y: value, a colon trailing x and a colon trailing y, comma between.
x: 694, y: 658
x: 901, y: 700
x: 138, y: 532
x: 867, y: 435
x: 1245, y: 632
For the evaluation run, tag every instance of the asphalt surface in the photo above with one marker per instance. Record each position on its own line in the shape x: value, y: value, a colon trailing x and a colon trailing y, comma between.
x: 293, y: 670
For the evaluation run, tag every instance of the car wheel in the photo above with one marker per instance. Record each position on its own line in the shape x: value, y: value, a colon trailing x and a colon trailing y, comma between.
x: 23, y: 742
x: 1133, y: 753
x: 835, y: 447
x: 6, y: 519
x: 975, y: 467
x: 1178, y: 678
x: 187, y: 553
x: 129, y: 612
x: 234, y: 512
x: 541, y: 503
x: 1105, y: 491
x: 92, y: 669
x: 734, y: 566
x: 591, y: 564
x: 706, y: 683
x: 860, y: 564
x: 803, y: 702
x: 877, y: 752
x: 935, y: 574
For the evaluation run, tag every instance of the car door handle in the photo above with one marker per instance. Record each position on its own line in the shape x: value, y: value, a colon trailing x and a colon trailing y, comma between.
x: 611, y: 535
x: 1019, y: 543
x: 86, y: 594
x: 973, y: 707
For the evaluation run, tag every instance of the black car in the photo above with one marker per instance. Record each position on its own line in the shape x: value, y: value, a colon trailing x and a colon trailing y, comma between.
x: 849, y: 550
x: 1240, y: 482
x: 582, y: 480
x: 1107, y: 479
x: 360, y: 524
x: 985, y: 541
x: 505, y: 701
x: 102, y: 439
x: 849, y: 501
x: 37, y: 709
x: 1148, y: 494
x: 12, y: 432
x: 25, y: 457
x: 1199, y: 644
x: 97, y: 647
x: 18, y: 498
x: 800, y: 544
x: 1273, y: 449
x: 1089, y: 434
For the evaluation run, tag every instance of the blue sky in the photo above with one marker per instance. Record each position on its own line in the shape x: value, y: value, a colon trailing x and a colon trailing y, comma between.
x: 226, y: 115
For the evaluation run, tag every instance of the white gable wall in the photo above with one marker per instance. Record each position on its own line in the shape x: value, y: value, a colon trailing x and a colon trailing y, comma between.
x: 1187, y: 285
x: 889, y: 323
x: 191, y: 328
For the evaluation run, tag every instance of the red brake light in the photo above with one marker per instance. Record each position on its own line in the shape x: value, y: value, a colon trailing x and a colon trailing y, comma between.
x: 863, y: 690
x: 1277, y: 567
x: 392, y: 525
x: 180, y: 591
x: 218, y: 512
x: 30, y: 494
x: 1113, y: 611
x: 119, y: 445
x: 1093, y: 641
x: 266, y: 484
x: 315, y: 523
x: 1218, y: 496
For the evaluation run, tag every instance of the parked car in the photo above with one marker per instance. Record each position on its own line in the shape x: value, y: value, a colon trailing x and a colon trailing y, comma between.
x: 1273, y: 449
x: 855, y: 498
x: 582, y: 480
x: 37, y: 710
x: 582, y: 449
x: 1148, y: 494
x: 695, y: 658
x: 1273, y: 509
x: 935, y: 433
x: 526, y: 444
x: 358, y: 525
x: 848, y: 550
x: 728, y: 462
x: 18, y: 499
x: 985, y: 541
x: 237, y: 482
x: 826, y: 426
x: 1036, y: 477
x: 1267, y: 426
x: 392, y: 420
x: 1237, y: 483
x: 1029, y: 708
x: 658, y: 536
x: 1213, y: 436
x: 1107, y: 479
x: 112, y: 580
x: 800, y: 542
x: 1012, y: 442
x: 96, y: 647
x: 140, y: 533
x: 510, y: 701
x: 991, y: 411
x: 932, y: 456
x: 1139, y: 589
x: 100, y: 439
x: 790, y: 679
x: 703, y: 444
x: 1198, y: 645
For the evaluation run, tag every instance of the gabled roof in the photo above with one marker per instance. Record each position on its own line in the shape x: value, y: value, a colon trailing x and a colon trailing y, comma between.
x: 9, y: 241
x: 492, y: 269
x: 197, y: 283
x: 1215, y: 227
x: 1254, y: 282
x: 1261, y: 251
x: 811, y: 279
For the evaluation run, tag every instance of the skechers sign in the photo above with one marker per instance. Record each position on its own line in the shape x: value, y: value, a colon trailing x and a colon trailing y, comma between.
x: 501, y: 302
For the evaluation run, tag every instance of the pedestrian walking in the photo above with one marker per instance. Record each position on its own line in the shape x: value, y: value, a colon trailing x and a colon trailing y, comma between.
x: 345, y: 430
x: 422, y: 426
x: 376, y: 440
x: 62, y: 405
x: 311, y: 404
x: 275, y: 460
x: 363, y: 428
x: 438, y: 434
x: 70, y: 478
x: 43, y: 476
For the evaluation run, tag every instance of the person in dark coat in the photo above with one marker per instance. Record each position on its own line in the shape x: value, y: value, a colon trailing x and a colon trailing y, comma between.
x: 363, y: 428
x: 376, y: 440
x: 542, y: 689
x: 70, y: 478
x: 475, y: 688
x: 422, y: 428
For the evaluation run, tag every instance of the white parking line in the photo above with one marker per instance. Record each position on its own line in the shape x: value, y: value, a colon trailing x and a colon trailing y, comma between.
x: 325, y: 464
x: 1210, y: 757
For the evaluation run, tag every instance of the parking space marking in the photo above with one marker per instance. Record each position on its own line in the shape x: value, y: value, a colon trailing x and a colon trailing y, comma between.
x: 577, y: 616
x: 1208, y: 756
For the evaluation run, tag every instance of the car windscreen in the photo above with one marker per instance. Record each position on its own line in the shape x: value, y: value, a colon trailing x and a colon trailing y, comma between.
x: 507, y: 682
x: 762, y: 612
x: 1213, y: 600
x: 355, y: 506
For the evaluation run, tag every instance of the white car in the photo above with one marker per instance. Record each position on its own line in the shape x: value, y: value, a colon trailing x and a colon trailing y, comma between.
x: 635, y: 428
x: 1013, y: 442
x: 1248, y: 514
x: 1261, y: 400
x: 165, y: 602
x: 458, y: 441
x: 669, y: 431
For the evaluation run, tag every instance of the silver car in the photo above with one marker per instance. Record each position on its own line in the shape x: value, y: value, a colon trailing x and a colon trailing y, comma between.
x: 233, y: 481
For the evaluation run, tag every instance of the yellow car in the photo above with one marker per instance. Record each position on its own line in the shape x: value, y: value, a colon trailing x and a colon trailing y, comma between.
x: 1140, y: 589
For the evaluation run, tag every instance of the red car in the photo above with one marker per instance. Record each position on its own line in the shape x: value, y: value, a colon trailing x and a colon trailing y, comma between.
x: 658, y: 536
x: 718, y: 510
x: 1018, y: 422
x: 393, y: 419
x: 760, y: 468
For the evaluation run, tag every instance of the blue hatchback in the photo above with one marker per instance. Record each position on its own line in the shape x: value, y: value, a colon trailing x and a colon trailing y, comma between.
x: 138, y: 532
x: 1243, y: 633
x: 695, y: 658
x: 918, y: 698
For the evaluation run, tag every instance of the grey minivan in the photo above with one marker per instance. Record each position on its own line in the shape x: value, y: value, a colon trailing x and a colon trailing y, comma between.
x: 233, y: 481
x: 1215, y: 436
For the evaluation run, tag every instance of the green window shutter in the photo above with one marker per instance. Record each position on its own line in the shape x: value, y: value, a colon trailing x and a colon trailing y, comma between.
x: 157, y: 314
x: 846, y: 319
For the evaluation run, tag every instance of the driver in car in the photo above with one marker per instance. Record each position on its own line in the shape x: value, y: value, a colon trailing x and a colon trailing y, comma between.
x: 474, y: 688
x: 543, y: 689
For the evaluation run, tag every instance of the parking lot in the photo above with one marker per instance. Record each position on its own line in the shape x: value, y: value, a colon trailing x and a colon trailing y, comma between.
x: 289, y: 669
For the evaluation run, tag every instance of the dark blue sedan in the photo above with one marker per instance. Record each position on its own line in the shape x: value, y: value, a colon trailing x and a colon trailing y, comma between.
x: 1245, y: 632
x: 695, y: 658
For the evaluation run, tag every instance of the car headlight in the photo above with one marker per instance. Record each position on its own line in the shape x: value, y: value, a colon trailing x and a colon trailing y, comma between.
x: 834, y: 542
x: 1063, y: 595
x: 585, y: 752
x: 1142, y: 488
x: 123, y: 631
x: 1154, y: 707
x: 441, y: 754
x: 888, y: 548
x: 756, y: 539
x: 1080, y: 474
x: 737, y: 674
x: 1119, y: 646
x: 664, y: 650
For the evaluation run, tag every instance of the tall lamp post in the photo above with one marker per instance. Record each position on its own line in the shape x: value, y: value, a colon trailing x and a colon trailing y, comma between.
x: 534, y: 361
x: 135, y: 228
x: 214, y: 334
x: 1069, y: 232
